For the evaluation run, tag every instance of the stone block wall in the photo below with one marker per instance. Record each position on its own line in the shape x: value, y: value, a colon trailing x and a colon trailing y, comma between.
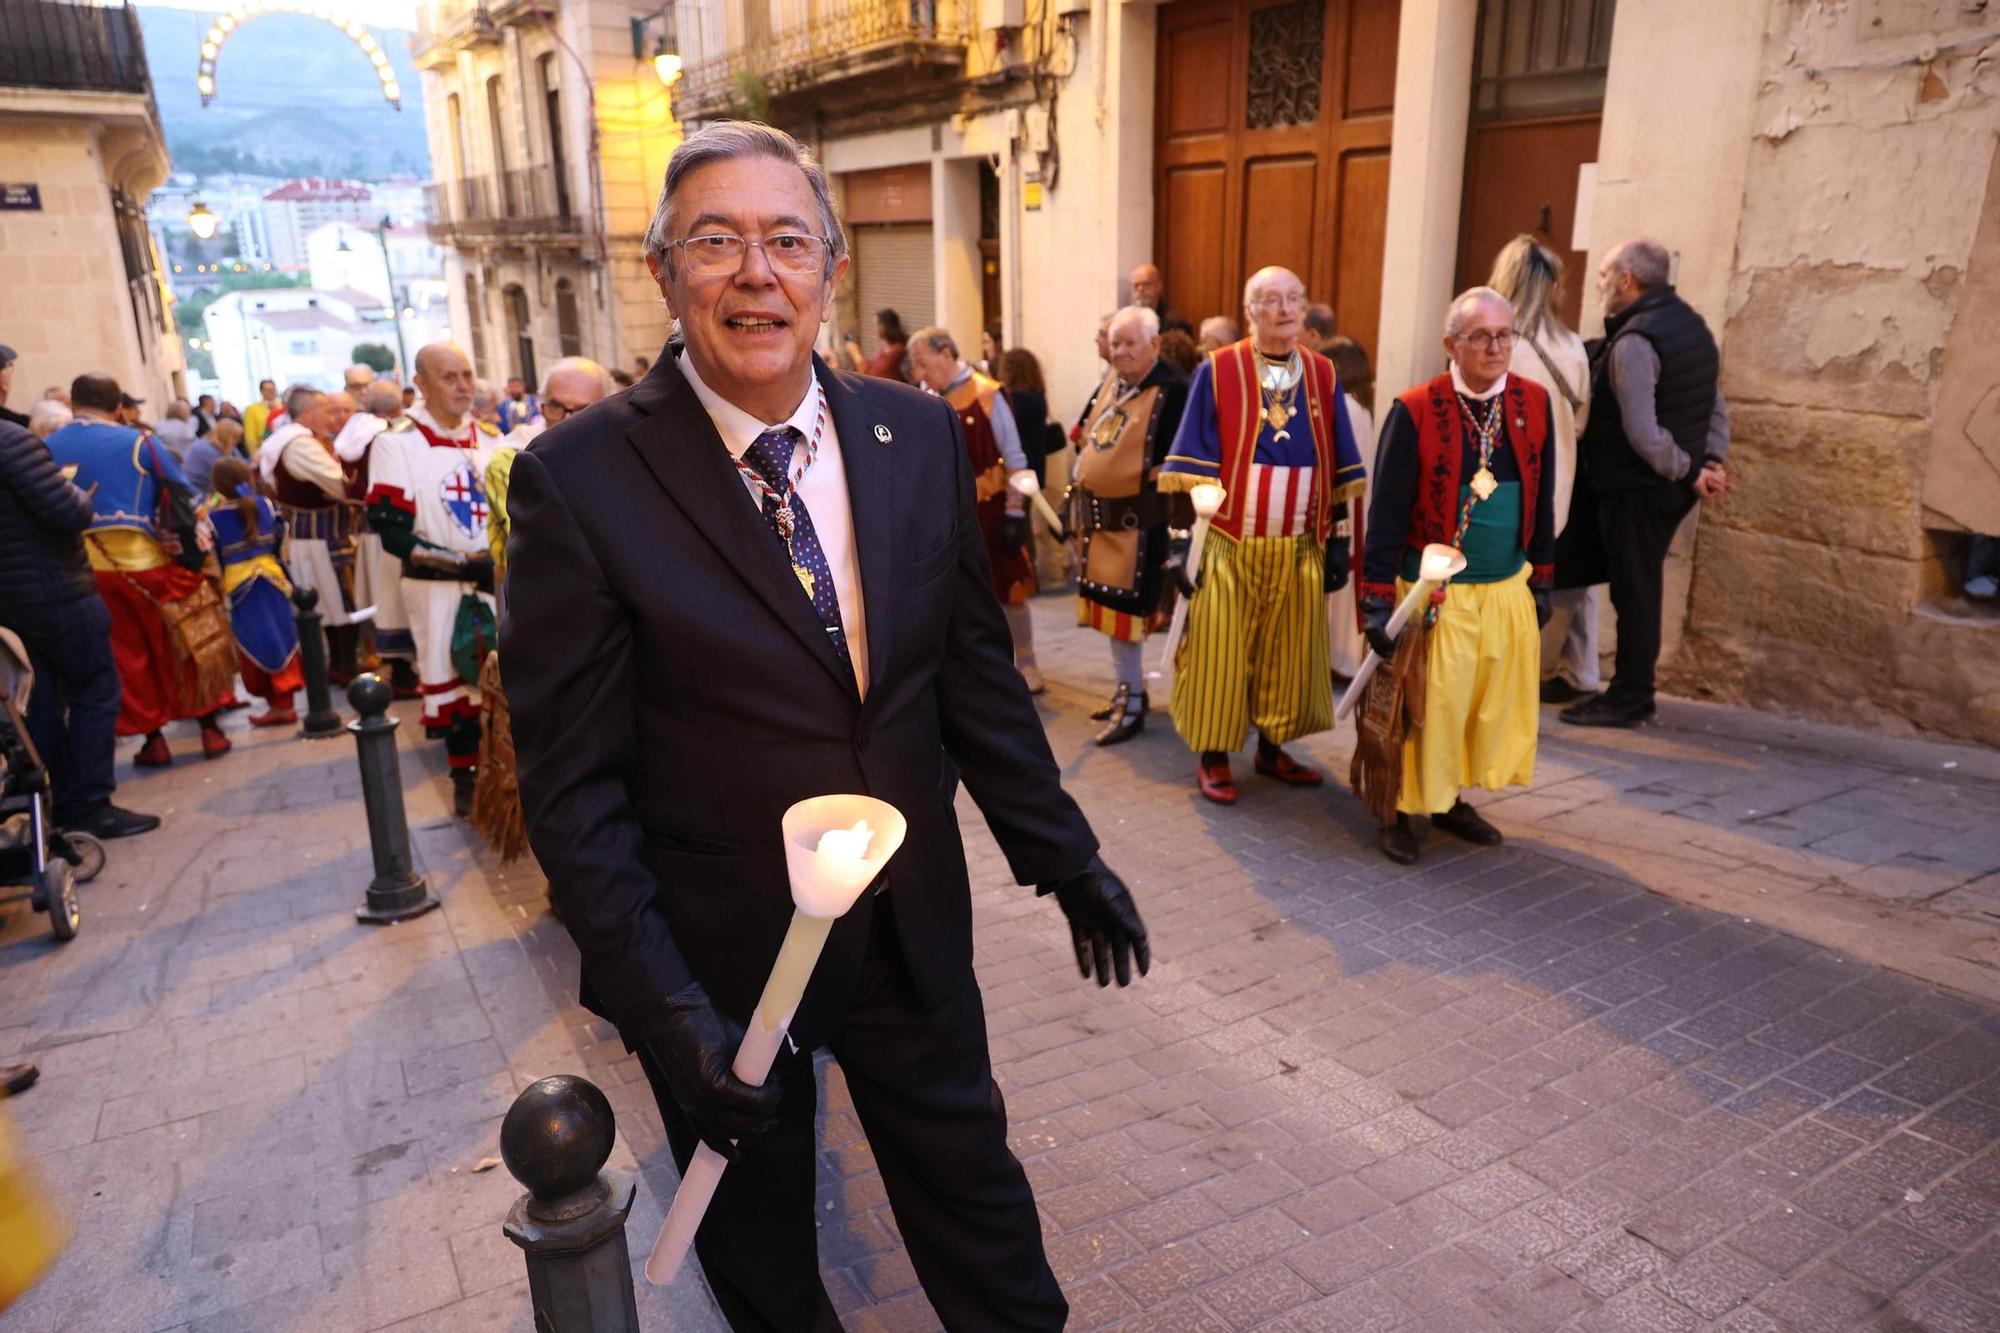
x: 1866, y: 205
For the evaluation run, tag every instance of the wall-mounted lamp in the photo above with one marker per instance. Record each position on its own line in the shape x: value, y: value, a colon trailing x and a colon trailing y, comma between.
x: 664, y: 48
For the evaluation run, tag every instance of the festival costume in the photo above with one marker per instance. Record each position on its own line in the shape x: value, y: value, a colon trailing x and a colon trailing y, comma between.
x: 1439, y: 477
x: 260, y: 602
x: 427, y: 502
x: 496, y: 794
x: 378, y: 576
x: 1255, y: 650
x: 1118, y: 522
x: 977, y: 402
x: 169, y: 632
x: 259, y: 420
x: 316, y: 496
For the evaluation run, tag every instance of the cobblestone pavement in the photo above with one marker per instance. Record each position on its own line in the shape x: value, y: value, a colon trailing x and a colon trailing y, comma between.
x: 1504, y: 1089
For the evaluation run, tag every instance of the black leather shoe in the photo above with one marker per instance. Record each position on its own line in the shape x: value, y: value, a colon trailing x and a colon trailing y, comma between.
x: 1463, y: 821
x: 1399, y: 841
x: 1117, y: 704
x: 1126, y: 719
x: 463, y: 780
x: 1602, y: 711
x: 108, y: 821
x: 1556, y: 690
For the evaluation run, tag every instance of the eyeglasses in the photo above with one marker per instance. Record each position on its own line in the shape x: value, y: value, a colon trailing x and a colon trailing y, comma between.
x: 717, y: 253
x: 554, y: 410
x: 1483, y: 341
x: 1279, y: 301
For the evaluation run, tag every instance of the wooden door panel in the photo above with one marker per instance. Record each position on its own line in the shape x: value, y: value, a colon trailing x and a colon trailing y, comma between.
x: 1371, y: 56
x: 1521, y: 177
x: 1194, y: 82
x: 1358, y: 244
x: 1193, y: 201
x: 1280, y: 195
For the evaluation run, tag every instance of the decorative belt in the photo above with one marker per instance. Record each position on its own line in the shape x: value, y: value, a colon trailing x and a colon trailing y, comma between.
x: 1123, y: 513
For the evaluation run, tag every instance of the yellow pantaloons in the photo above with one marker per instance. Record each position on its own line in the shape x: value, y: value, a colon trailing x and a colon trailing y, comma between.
x: 1255, y: 645
x: 1482, y: 696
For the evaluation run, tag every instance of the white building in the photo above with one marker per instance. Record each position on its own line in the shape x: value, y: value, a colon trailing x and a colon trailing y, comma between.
x: 298, y: 208
x: 307, y: 335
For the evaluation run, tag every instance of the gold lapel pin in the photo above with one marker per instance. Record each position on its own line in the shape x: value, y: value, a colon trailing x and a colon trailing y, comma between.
x: 882, y: 435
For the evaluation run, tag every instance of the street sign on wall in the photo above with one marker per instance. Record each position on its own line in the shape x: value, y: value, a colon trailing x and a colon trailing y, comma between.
x: 24, y: 196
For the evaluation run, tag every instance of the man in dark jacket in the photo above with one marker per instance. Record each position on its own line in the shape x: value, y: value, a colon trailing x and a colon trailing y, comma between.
x: 48, y: 597
x: 1655, y: 445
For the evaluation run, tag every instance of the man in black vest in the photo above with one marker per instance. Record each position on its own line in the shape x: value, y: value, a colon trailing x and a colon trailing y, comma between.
x: 1655, y: 445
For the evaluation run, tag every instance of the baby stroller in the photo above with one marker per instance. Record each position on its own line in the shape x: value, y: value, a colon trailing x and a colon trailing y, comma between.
x: 32, y: 852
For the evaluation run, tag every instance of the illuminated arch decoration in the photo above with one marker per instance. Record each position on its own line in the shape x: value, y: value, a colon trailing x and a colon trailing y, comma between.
x: 244, y: 10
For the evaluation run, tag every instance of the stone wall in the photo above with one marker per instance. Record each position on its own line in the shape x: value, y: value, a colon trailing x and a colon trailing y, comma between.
x: 1869, y: 169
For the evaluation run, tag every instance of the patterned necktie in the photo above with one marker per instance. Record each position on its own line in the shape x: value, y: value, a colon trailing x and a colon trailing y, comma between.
x: 771, y: 456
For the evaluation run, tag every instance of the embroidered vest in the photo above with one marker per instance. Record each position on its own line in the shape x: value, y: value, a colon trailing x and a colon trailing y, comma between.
x: 1239, y: 407
x: 1442, y: 440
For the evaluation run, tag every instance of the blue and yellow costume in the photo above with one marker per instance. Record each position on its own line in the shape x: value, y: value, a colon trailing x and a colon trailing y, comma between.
x: 260, y: 599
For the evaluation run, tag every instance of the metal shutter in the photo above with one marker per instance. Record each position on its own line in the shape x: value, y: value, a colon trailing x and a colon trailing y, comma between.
x: 894, y: 268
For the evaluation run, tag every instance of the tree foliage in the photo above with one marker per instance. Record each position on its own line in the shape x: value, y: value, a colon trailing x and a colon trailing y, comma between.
x: 376, y: 357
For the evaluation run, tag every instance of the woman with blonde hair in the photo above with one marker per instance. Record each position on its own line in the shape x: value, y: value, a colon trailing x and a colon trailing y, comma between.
x: 1549, y: 353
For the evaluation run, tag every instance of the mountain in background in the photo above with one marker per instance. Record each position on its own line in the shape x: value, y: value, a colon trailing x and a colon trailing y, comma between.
x: 294, y: 97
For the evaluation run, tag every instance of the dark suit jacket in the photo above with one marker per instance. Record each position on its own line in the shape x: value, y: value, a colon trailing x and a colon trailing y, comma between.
x: 672, y: 692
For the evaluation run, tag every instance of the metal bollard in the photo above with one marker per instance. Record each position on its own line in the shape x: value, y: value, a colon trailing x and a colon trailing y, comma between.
x: 397, y: 892
x: 320, y: 720
x: 571, y: 1222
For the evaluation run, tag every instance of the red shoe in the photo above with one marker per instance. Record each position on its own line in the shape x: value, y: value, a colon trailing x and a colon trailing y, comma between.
x: 1288, y: 770
x: 1216, y: 783
x: 276, y: 717
x: 213, y: 743
x: 232, y: 703
x: 154, y: 753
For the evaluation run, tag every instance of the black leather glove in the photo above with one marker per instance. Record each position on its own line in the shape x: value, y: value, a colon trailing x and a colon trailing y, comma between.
x: 479, y: 569
x: 1339, y: 563
x: 1375, y: 613
x: 1104, y: 923
x: 1014, y: 532
x: 1544, y: 607
x: 694, y: 1046
x: 1177, y: 560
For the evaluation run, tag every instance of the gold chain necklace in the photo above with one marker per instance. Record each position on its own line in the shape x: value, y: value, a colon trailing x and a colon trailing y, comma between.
x: 1278, y: 384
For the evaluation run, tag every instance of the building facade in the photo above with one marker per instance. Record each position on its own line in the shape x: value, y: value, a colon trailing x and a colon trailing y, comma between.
x: 549, y: 135
x: 298, y: 208
x: 80, y: 150
x: 1819, y: 169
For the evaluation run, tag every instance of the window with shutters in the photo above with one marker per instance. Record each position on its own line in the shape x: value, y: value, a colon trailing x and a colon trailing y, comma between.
x: 1541, y: 57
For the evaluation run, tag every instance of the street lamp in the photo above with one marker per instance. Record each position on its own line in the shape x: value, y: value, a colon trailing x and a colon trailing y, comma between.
x: 202, y: 222
x: 398, y: 311
x: 666, y: 48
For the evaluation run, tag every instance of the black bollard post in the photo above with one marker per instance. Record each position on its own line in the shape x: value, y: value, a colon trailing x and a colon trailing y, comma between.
x: 397, y: 892
x: 320, y: 720
x: 571, y: 1222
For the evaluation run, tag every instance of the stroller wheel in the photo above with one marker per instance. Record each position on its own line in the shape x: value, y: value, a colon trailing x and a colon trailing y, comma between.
x: 58, y: 890
x: 89, y: 860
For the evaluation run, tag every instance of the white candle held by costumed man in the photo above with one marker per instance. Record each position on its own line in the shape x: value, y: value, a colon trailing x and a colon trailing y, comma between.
x: 835, y: 847
x: 1207, y: 498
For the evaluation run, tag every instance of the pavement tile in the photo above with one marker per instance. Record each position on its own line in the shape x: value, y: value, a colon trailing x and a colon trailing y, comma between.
x: 1821, y: 1300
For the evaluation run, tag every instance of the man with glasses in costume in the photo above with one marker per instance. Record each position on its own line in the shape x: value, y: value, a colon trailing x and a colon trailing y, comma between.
x: 1465, y: 461
x: 750, y: 581
x: 1264, y: 421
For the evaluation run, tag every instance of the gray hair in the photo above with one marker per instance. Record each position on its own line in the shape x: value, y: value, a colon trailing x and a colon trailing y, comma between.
x: 47, y: 417
x: 1469, y: 298
x: 359, y: 375
x: 302, y: 398
x: 1649, y: 262
x: 1321, y: 319
x: 1147, y: 318
x: 1530, y: 275
x: 586, y: 366
x: 725, y: 141
x: 383, y: 398
x: 1222, y: 328
x: 938, y: 340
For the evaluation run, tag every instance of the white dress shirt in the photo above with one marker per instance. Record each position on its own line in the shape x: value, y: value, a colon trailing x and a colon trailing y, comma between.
x: 823, y: 490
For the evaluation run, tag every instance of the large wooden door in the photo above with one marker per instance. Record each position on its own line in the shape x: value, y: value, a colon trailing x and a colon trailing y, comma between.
x: 1273, y: 148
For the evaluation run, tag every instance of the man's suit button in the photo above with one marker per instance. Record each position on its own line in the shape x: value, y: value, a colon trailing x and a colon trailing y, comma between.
x: 861, y: 743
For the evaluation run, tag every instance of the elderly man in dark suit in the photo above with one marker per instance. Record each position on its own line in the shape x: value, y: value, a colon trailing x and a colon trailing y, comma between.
x: 746, y: 581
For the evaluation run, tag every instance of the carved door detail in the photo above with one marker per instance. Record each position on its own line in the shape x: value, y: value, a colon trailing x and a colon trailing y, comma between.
x: 1273, y: 148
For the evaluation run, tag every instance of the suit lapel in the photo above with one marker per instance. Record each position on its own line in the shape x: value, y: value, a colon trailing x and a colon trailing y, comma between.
x: 681, y: 448
x: 869, y: 463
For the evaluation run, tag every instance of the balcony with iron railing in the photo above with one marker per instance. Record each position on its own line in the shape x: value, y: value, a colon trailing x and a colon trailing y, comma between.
x: 53, y: 44
x: 522, y: 203
x: 846, y: 41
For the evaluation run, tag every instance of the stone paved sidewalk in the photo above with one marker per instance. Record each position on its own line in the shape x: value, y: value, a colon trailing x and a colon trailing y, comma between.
x: 1512, y: 1089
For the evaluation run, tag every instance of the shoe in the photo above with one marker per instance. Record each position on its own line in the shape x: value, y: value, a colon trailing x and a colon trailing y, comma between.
x: 154, y: 753
x: 1463, y: 821
x: 1216, y: 782
x: 1033, y: 677
x: 232, y: 703
x: 17, y: 1079
x: 1399, y: 841
x: 1277, y: 764
x: 463, y: 781
x: 1124, y: 720
x: 275, y: 717
x: 1556, y: 690
x: 213, y: 743
x: 1104, y: 714
x: 1603, y: 711
x: 108, y: 821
